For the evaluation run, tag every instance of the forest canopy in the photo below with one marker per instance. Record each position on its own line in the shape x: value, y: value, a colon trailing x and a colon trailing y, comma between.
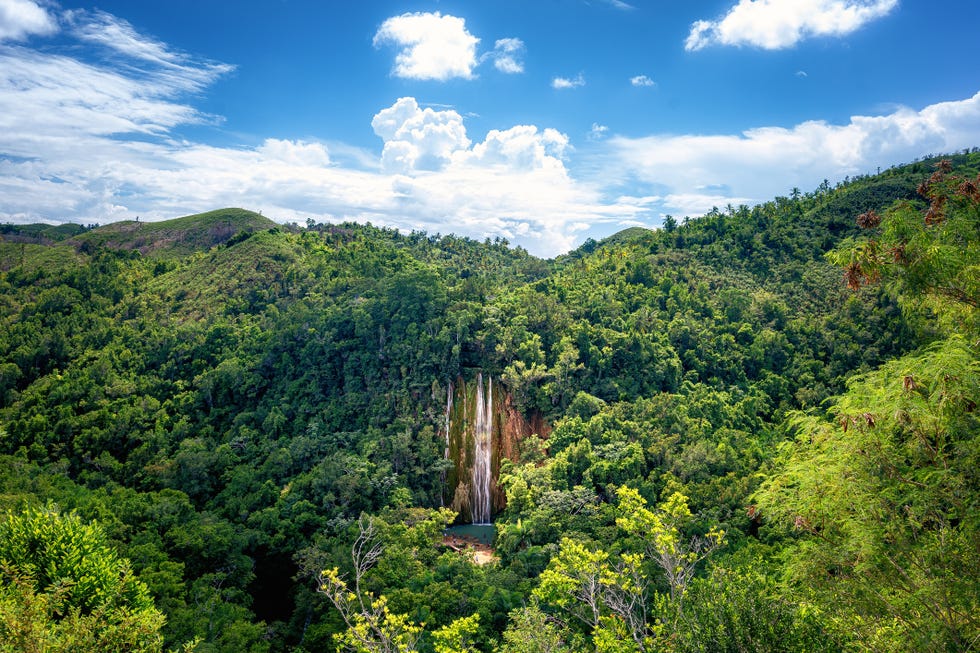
x: 752, y: 430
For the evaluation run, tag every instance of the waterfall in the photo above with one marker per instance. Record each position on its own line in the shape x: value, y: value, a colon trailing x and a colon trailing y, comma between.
x: 480, y: 434
x: 449, y: 410
x: 483, y: 434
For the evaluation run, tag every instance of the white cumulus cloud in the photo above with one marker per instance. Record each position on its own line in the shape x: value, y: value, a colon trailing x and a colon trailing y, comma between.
x: 563, y: 83
x: 695, y: 172
x: 416, y: 138
x: 776, y: 24
x: 513, y: 183
x: 520, y: 148
x: 431, y: 46
x: 22, y: 18
x: 295, y: 153
x: 642, y: 80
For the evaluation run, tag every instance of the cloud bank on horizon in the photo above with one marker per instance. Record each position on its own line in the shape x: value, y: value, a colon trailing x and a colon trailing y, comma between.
x: 97, y: 139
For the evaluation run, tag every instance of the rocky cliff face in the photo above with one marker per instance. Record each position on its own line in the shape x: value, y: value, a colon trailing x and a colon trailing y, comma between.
x: 482, y: 427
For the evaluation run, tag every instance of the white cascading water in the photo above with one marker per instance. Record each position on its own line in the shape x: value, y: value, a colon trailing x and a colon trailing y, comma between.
x: 483, y: 434
x: 449, y: 410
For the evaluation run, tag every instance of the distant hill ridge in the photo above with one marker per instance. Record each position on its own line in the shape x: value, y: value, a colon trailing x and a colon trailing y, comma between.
x: 178, y: 236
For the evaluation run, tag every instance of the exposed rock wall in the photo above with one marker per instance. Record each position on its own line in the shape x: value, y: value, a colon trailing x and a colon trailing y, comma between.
x: 507, y: 427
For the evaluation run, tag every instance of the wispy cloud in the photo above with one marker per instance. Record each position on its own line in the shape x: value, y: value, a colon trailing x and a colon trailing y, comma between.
x: 642, y: 81
x: 178, y: 69
x: 619, y: 4
x: 563, y: 83
x: 776, y: 24
x: 508, y: 56
x: 22, y: 18
x: 47, y: 97
x: 431, y: 46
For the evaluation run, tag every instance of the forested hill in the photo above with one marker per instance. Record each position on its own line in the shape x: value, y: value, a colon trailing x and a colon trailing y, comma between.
x: 233, y: 402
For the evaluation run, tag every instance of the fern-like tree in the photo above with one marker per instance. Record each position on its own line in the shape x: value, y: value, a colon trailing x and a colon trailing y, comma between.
x: 929, y: 253
x: 884, y: 493
x: 63, y: 588
x: 883, y: 489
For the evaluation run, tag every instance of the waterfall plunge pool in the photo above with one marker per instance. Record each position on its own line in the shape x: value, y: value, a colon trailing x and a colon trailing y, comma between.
x: 476, y: 533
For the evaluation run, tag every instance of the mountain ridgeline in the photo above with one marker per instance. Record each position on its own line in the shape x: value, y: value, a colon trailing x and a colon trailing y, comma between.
x: 273, y: 424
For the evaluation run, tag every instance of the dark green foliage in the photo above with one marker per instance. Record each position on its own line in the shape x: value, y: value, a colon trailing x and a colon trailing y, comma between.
x: 227, y: 397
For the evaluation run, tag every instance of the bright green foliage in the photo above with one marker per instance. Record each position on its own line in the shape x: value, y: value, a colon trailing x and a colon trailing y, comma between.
x: 931, y: 254
x: 371, y: 627
x: 458, y: 636
x: 607, y: 597
x: 741, y: 609
x: 887, y: 493
x: 575, y: 581
x: 529, y: 630
x: 660, y: 529
x: 885, y: 488
x: 63, y: 588
x: 612, y: 636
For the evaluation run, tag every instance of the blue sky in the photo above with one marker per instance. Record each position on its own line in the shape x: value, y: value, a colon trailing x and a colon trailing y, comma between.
x: 544, y: 122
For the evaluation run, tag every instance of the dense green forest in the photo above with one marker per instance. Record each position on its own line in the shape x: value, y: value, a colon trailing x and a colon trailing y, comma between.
x: 759, y: 432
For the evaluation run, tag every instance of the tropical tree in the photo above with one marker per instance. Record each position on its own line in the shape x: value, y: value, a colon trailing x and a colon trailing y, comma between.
x: 371, y: 625
x: 660, y: 529
x: 64, y: 588
x: 930, y: 254
x: 883, y: 488
x: 884, y: 495
x: 530, y: 630
x: 611, y: 596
